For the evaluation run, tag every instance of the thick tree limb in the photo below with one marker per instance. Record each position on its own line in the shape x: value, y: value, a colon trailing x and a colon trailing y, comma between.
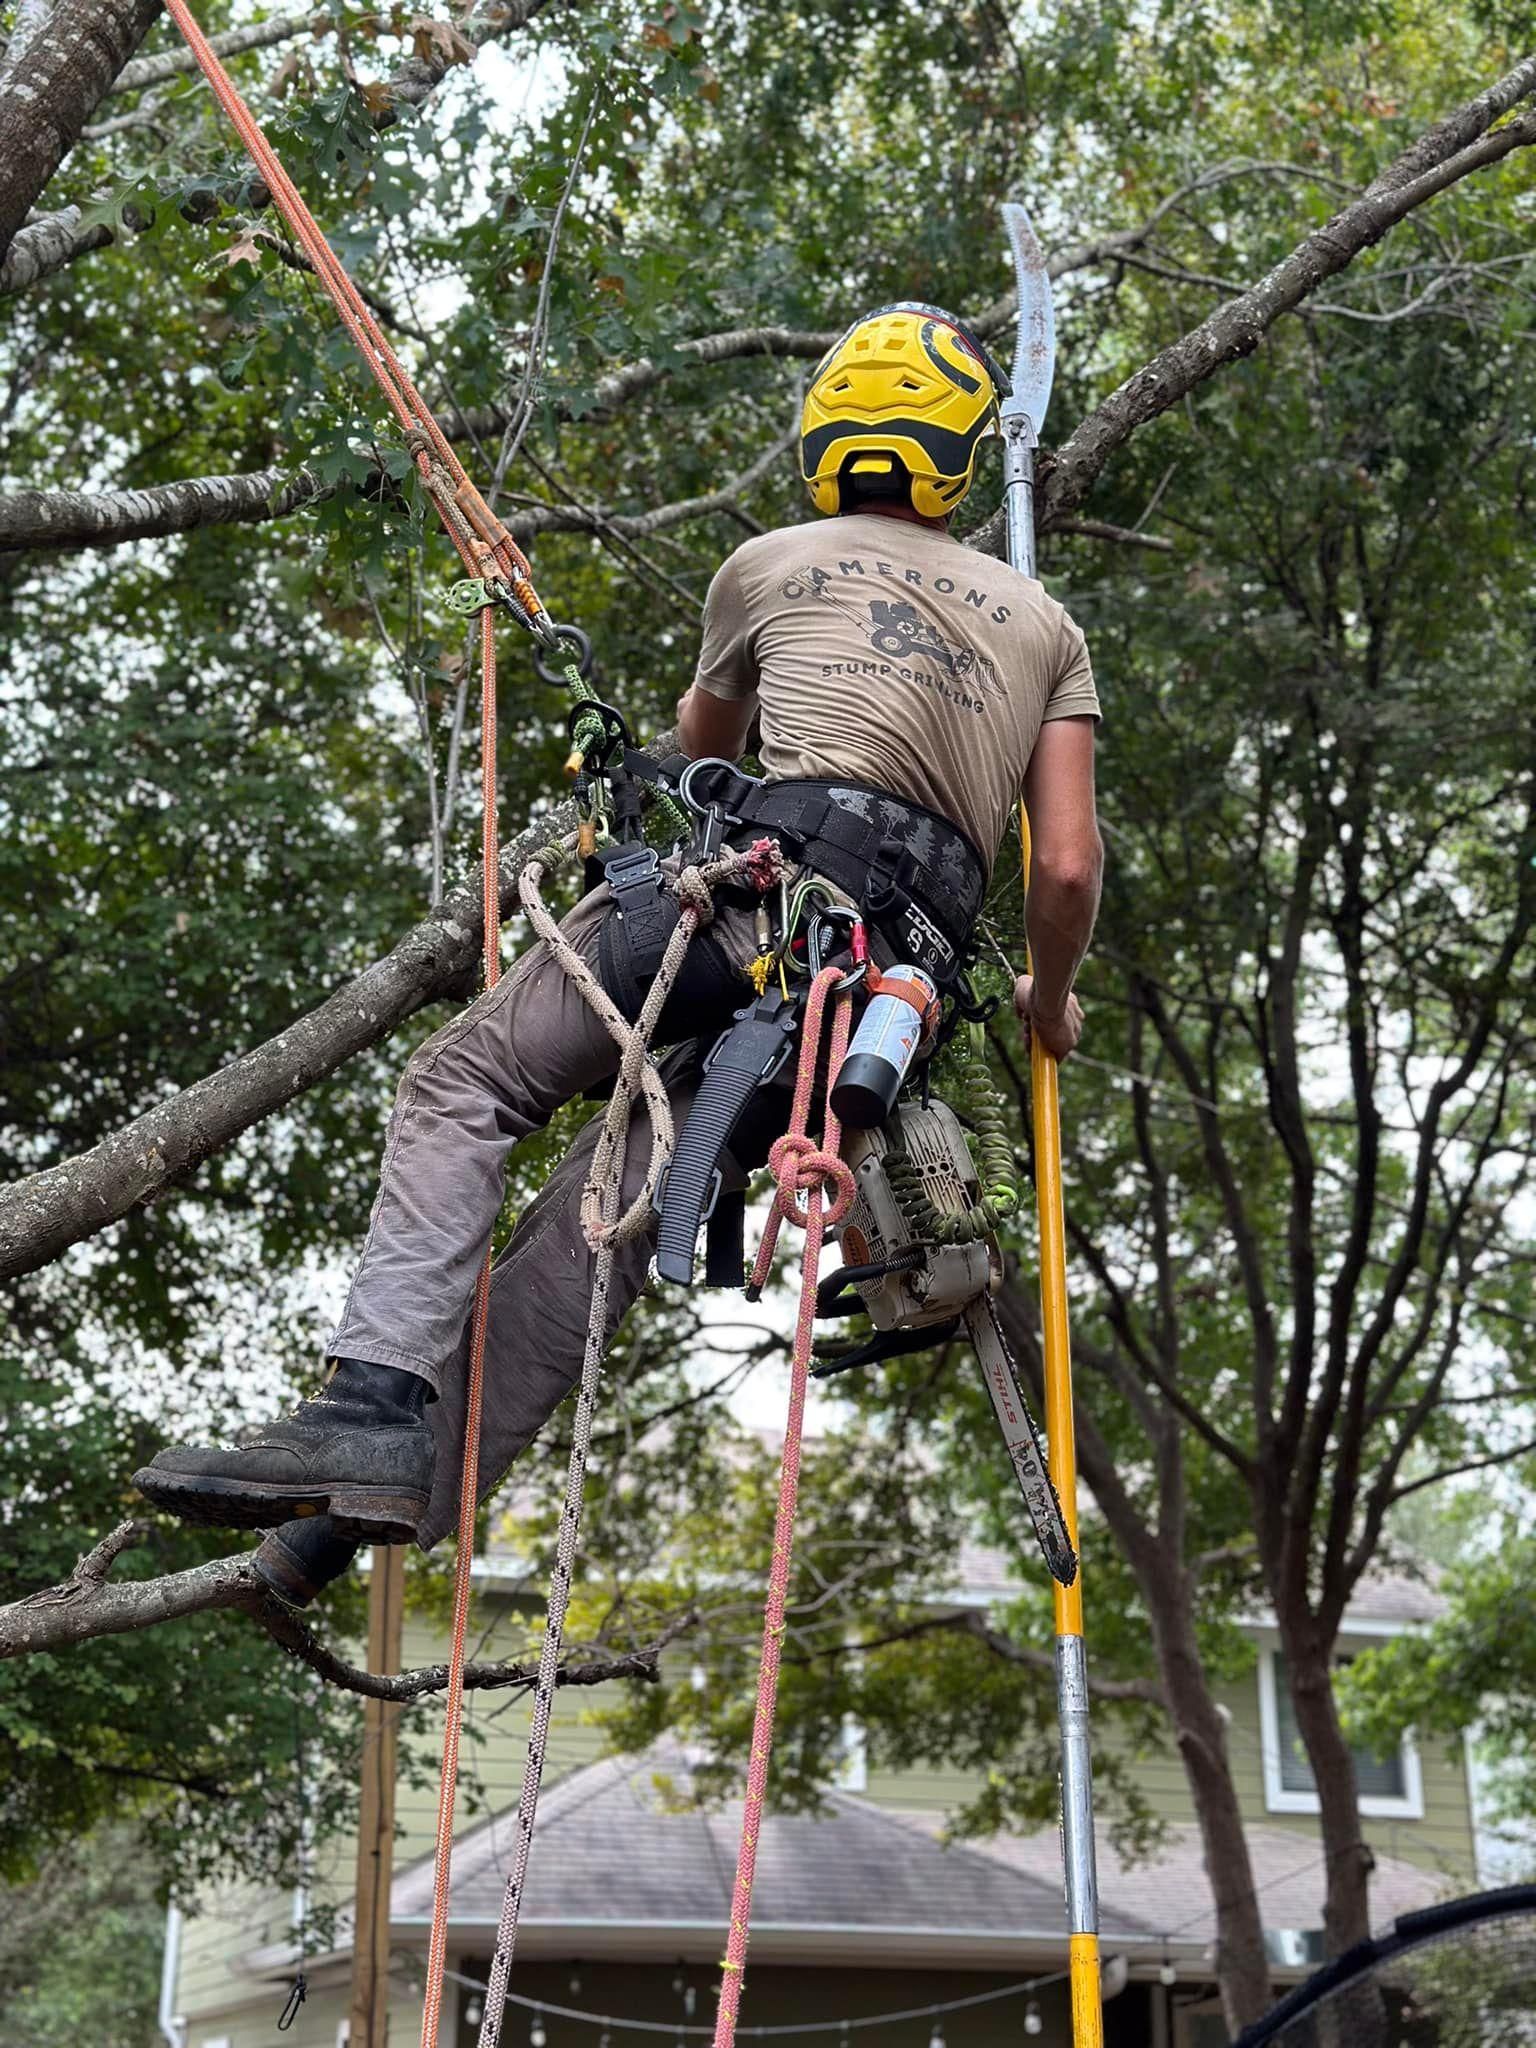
x: 27, y: 20
x: 55, y: 519
x: 89, y: 1604
x: 47, y: 245
x: 100, y: 519
x: 52, y: 90
x: 1440, y: 158
x: 42, y: 1215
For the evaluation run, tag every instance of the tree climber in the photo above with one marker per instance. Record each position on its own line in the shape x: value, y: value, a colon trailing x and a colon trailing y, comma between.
x: 909, y: 690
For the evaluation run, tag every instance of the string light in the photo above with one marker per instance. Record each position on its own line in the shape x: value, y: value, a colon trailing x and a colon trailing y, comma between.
x: 472, y: 2010
x: 608, y: 2024
x: 1166, y: 1973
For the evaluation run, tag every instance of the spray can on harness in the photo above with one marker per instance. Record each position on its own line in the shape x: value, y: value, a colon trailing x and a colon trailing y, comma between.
x: 888, y: 1036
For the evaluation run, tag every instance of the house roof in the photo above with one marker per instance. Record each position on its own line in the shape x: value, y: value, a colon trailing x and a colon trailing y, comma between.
x: 621, y: 1868
x: 1172, y: 1894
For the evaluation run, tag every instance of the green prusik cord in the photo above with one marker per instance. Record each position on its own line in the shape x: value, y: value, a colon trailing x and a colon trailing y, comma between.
x: 999, y: 1181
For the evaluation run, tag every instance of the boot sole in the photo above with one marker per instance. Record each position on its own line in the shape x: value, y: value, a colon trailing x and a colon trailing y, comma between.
x: 378, y: 1514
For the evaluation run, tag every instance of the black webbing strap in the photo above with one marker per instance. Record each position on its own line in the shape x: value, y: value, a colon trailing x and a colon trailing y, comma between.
x: 635, y: 932
x: 915, y: 875
x: 745, y: 1056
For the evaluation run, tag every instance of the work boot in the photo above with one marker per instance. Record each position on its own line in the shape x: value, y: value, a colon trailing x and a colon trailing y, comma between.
x: 298, y: 1561
x: 361, y: 1452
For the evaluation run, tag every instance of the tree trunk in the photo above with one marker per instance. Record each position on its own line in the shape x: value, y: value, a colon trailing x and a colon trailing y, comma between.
x: 1346, y: 1908
x: 54, y: 88
x: 1242, y: 1967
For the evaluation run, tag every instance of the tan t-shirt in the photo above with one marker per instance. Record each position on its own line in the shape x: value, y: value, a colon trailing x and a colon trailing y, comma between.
x: 890, y: 654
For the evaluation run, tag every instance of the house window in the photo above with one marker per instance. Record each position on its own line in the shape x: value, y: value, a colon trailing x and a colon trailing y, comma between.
x: 1390, y: 1787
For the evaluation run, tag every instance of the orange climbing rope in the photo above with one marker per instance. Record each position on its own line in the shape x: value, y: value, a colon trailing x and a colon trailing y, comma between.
x: 488, y: 551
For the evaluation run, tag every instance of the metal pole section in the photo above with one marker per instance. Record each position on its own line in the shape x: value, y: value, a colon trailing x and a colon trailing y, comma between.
x: 376, y: 1820
x: 1019, y: 444
x: 1071, y: 1661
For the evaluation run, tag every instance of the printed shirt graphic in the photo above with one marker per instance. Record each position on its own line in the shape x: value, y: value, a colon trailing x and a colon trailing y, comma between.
x: 888, y: 653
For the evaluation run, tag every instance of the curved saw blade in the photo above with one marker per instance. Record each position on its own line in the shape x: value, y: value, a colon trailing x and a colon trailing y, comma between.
x: 1034, y: 354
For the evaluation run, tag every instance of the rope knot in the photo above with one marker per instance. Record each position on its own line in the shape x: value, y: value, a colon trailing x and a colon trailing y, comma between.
x: 799, y: 1164
x: 692, y: 892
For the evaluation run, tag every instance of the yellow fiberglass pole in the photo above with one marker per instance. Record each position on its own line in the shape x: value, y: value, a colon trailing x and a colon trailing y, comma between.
x: 1071, y: 1661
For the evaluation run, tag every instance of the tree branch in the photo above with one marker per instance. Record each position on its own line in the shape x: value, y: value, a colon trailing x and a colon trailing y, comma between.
x: 159, y: 70
x: 88, y: 1606
x: 1125, y: 536
x: 105, y: 519
x: 967, y: 1621
x: 43, y: 1214
x: 1449, y: 151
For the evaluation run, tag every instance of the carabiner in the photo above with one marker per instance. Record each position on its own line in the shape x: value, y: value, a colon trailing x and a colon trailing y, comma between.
x: 833, y: 915
x: 685, y: 786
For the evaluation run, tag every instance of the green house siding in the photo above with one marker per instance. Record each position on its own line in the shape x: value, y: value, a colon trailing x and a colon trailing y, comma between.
x: 1442, y: 1841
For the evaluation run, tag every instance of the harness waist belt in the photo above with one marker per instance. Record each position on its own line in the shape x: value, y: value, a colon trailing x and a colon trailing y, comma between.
x: 912, y: 872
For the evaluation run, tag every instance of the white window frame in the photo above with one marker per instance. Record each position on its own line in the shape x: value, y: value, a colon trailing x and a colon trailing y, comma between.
x: 1278, y: 1799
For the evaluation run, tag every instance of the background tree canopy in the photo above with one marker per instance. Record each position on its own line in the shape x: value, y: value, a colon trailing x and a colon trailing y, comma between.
x: 234, y: 769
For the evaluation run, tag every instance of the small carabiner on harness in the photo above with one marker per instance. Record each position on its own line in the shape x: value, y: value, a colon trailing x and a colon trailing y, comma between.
x: 833, y: 915
x: 702, y: 806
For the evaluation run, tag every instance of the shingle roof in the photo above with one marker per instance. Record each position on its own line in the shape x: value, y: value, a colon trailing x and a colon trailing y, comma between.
x: 621, y: 1867
x: 1171, y: 1893
x: 615, y: 1852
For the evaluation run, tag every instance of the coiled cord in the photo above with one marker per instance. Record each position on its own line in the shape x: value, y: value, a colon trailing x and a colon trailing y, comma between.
x: 995, y: 1163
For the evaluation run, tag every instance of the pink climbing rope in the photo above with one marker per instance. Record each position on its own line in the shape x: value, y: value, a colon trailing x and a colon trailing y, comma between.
x: 802, y: 1168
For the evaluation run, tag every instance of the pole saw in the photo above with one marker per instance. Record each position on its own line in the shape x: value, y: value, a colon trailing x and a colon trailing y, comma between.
x: 1023, y: 415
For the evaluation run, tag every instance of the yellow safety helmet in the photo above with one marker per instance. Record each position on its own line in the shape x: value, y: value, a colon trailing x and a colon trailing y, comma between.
x: 907, y: 388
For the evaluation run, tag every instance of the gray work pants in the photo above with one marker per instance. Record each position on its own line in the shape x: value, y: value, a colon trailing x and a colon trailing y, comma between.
x: 499, y: 1071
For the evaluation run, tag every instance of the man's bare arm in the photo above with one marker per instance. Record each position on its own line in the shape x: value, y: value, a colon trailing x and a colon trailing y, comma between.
x: 710, y: 727
x: 1066, y: 875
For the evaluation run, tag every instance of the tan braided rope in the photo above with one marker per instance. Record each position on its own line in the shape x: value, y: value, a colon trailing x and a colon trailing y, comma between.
x: 605, y: 1230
